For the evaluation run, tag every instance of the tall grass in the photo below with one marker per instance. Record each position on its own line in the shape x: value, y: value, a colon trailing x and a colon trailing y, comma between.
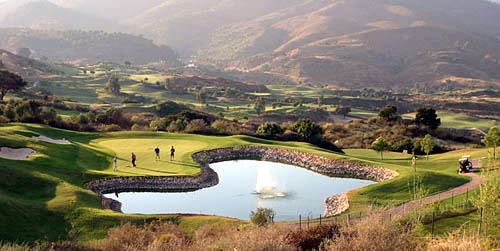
x: 373, y: 233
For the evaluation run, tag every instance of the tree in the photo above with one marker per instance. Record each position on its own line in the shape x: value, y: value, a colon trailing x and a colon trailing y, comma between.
x: 270, y: 129
x: 492, y: 139
x: 24, y: 52
x: 202, y: 97
x: 260, y: 105
x: 128, y: 64
x: 10, y: 82
x: 306, y: 128
x: 427, y: 144
x: 262, y: 217
x: 321, y: 100
x: 169, y: 108
x: 428, y: 117
x: 113, y: 85
x: 381, y: 145
x: 343, y: 110
x: 389, y: 113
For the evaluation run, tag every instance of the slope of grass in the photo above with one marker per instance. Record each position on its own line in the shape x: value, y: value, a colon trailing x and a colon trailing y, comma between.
x: 44, y: 197
x: 458, y: 120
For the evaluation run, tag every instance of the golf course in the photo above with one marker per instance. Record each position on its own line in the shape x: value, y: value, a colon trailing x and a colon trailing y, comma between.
x: 43, y: 197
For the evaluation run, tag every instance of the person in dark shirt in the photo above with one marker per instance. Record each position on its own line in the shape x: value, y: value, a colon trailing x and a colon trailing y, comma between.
x: 157, y: 152
x: 172, y: 153
x: 134, y: 158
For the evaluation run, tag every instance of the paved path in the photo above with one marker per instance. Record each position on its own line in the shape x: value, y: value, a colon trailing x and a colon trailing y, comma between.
x: 475, y: 182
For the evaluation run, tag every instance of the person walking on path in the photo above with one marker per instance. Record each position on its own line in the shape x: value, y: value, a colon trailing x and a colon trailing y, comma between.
x: 157, y: 152
x: 172, y: 153
x: 115, y: 163
x: 134, y: 158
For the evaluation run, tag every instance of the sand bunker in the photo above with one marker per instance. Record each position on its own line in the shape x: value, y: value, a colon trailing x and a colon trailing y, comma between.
x: 16, y: 154
x: 55, y: 141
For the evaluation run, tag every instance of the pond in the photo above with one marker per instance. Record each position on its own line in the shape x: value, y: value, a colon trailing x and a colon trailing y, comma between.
x: 244, y: 186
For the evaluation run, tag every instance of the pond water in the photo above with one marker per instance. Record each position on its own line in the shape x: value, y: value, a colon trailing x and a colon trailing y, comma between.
x: 246, y: 185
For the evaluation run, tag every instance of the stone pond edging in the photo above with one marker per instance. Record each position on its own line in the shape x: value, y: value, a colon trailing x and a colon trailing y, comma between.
x: 208, y: 177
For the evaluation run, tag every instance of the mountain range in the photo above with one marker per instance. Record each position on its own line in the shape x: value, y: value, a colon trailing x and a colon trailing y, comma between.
x: 341, y: 42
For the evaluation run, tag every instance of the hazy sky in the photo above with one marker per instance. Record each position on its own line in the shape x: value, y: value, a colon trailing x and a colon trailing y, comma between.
x: 498, y: 1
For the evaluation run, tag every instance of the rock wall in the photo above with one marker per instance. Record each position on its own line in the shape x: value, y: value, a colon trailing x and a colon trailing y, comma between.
x: 336, y: 205
x: 208, y: 177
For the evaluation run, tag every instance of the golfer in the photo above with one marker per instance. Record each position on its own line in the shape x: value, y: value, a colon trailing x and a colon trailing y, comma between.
x: 115, y: 162
x: 157, y: 152
x: 134, y: 158
x: 172, y: 153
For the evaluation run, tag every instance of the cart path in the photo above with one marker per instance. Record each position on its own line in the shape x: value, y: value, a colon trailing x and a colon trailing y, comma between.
x: 475, y: 182
x: 401, y: 210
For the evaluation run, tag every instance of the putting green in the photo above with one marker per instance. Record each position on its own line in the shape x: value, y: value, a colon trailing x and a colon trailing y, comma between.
x: 146, y: 161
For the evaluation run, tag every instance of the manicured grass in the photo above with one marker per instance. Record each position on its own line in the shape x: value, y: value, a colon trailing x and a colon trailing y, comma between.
x: 458, y: 120
x: 362, y: 113
x: 44, y: 197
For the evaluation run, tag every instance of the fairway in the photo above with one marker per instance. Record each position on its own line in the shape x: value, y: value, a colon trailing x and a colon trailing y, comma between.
x: 146, y: 162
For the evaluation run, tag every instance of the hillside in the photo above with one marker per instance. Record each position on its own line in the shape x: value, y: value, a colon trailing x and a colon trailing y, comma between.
x: 27, y: 68
x: 108, y: 9
x: 43, y: 14
x: 331, y: 41
x: 86, y: 47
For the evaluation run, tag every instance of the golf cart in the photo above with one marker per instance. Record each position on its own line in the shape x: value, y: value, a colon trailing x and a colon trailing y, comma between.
x: 465, y: 164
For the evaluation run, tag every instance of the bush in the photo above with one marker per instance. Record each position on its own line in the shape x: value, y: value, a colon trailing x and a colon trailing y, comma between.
x: 169, y: 108
x: 177, y: 126
x: 372, y: 233
x: 197, y: 126
x: 112, y: 128
x: 306, y: 128
x: 153, y: 236
x: 158, y: 125
x: 400, y: 145
x: 137, y: 127
x: 3, y: 119
x: 262, y: 217
x: 311, y: 239
x: 270, y: 129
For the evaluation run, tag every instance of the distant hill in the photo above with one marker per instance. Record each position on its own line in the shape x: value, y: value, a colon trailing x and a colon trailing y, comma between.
x: 84, y: 47
x: 347, y: 43
x: 352, y: 43
x: 115, y: 10
x: 42, y: 14
x: 26, y: 67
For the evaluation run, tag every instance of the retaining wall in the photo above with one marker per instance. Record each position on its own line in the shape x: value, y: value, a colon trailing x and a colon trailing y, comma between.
x: 208, y: 177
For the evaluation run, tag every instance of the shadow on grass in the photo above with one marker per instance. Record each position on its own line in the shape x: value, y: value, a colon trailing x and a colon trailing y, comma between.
x: 158, y: 171
x: 182, y: 163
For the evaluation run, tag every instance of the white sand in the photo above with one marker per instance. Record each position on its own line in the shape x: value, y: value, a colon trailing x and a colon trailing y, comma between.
x: 55, y: 141
x: 16, y: 154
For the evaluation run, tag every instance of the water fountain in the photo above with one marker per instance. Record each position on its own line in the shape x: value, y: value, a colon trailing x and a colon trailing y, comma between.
x: 266, y: 187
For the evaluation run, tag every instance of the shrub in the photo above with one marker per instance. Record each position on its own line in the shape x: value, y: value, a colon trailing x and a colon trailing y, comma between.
x: 3, y: 119
x: 400, y: 145
x: 262, y: 216
x: 112, y: 128
x: 137, y: 127
x: 177, y: 126
x: 169, y: 108
x: 158, y: 125
x: 270, y: 129
x: 197, y: 126
x: 389, y: 113
x: 222, y: 126
x: 306, y: 128
x: 311, y: 239
x: 372, y: 233
x: 153, y: 236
